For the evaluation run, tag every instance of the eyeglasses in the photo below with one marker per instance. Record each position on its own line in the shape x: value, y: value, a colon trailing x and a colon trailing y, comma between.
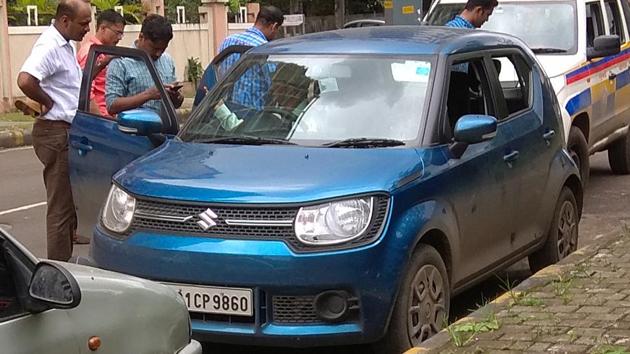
x: 119, y: 33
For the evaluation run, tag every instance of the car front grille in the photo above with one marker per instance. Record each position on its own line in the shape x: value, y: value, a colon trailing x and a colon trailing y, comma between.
x: 271, y: 222
x: 294, y: 309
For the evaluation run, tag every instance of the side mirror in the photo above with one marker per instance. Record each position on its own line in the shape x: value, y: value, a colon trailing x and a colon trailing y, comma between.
x: 604, y: 46
x: 139, y: 121
x: 472, y: 128
x: 55, y: 286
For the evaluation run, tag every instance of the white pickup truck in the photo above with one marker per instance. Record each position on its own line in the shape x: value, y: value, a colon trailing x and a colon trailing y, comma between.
x: 584, y: 47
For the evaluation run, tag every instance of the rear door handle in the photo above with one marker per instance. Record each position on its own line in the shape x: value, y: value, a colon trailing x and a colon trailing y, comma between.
x: 611, y: 75
x: 548, y: 136
x: 83, y: 146
x: 511, y: 157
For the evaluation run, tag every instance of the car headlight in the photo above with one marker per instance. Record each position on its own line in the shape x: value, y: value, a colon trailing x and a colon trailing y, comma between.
x: 334, y: 222
x: 118, y: 211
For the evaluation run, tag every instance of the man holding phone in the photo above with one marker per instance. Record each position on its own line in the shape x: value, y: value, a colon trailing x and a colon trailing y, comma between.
x: 129, y: 83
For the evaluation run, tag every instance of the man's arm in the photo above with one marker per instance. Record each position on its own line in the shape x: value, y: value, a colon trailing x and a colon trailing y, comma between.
x: 37, y: 67
x: 116, y: 91
x: 29, y: 84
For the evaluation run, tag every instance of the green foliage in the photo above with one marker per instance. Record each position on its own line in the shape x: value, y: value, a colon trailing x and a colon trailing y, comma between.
x: 191, y: 6
x: 327, y: 7
x: 18, y: 16
x: 193, y: 70
x: 133, y: 12
x: 233, y: 5
x: 463, y: 333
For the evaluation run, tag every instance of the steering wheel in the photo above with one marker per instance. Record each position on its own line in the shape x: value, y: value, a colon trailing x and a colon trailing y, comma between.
x: 285, y: 115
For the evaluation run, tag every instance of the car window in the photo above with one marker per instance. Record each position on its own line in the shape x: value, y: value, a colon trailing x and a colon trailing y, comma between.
x: 10, y: 307
x: 316, y: 99
x: 468, y: 91
x: 614, y: 18
x: 514, y: 78
x: 124, y: 76
x: 625, y: 7
x: 594, y: 22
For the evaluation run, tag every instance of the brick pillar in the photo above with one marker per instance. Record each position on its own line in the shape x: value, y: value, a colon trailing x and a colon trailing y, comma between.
x: 253, y: 8
x: 6, y: 77
x: 215, y: 13
x: 154, y: 6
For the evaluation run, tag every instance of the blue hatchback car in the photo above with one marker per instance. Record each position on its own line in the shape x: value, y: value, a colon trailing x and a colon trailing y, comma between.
x: 334, y: 188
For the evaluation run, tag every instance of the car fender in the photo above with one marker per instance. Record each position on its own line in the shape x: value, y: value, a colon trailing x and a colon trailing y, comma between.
x: 149, y: 317
x: 416, y: 225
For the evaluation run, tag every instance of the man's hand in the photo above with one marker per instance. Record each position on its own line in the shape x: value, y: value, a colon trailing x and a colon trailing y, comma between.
x: 152, y: 94
x: 45, y: 109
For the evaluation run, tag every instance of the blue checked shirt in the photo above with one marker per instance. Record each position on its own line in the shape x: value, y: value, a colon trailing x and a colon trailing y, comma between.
x: 128, y: 77
x: 251, y: 88
x: 459, y: 22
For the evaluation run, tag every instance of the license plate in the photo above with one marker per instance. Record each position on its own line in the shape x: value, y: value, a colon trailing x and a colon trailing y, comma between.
x: 216, y: 300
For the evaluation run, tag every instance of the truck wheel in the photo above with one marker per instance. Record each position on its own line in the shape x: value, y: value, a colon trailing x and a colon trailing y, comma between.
x: 578, y: 149
x: 562, y: 238
x: 619, y: 155
x: 422, y: 306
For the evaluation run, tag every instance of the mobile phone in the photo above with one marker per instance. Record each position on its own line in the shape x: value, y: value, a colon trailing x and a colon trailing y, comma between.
x: 176, y: 86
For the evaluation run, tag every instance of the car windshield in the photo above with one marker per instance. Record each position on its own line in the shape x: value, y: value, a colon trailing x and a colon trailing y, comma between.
x: 315, y: 100
x: 532, y: 22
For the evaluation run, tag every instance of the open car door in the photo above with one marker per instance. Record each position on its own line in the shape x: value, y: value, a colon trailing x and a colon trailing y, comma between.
x: 100, y: 145
x: 211, y: 74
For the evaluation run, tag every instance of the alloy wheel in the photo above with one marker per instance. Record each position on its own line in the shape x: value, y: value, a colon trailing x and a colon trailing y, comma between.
x: 427, y: 313
x: 567, y: 230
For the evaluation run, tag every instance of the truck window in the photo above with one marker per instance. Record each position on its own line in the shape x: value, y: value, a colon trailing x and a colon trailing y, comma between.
x: 615, y: 24
x: 594, y: 22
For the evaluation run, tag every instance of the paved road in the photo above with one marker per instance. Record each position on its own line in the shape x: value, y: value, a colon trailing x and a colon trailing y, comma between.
x: 606, y: 202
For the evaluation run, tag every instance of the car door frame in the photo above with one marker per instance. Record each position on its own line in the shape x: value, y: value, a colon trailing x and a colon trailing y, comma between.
x: 536, y: 155
x: 98, y: 148
x: 436, y: 135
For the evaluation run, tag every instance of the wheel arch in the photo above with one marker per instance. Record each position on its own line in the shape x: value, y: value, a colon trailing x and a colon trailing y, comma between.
x: 582, y: 122
x: 575, y: 185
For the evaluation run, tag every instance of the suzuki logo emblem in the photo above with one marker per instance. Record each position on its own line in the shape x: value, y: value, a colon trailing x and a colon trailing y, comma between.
x: 207, y: 219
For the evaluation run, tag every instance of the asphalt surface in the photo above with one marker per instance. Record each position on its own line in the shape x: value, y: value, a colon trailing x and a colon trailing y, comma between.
x: 22, y: 212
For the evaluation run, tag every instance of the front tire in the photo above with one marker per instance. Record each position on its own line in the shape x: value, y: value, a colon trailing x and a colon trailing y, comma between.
x: 578, y: 149
x: 562, y: 238
x: 619, y: 155
x: 422, y: 306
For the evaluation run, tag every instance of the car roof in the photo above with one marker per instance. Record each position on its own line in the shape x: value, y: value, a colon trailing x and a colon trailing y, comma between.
x: 390, y: 40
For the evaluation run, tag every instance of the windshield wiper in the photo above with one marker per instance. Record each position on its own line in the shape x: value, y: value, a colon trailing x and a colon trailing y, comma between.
x: 243, y: 140
x: 548, y: 50
x: 365, y: 143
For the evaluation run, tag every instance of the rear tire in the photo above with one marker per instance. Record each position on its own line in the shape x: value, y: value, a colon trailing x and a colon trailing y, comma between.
x: 619, y: 155
x: 562, y: 238
x: 421, y: 309
x: 578, y: 149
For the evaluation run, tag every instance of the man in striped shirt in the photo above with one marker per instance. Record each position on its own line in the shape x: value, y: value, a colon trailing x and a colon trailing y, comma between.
x: 474, y: 15
x: 251, y: 88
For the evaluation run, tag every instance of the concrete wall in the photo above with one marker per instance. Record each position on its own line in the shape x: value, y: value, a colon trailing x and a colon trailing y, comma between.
x: 189, y: 40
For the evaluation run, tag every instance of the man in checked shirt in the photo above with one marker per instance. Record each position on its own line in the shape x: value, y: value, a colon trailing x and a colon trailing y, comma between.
x: 251, y: 88
x: 474, y: 15
x: 129, y: 84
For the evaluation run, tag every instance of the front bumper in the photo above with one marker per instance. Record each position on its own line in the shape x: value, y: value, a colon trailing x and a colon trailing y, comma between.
x: 369, y: 273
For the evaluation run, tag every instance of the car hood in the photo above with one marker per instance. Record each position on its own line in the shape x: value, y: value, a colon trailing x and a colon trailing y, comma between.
x: 124, y: 307
x: 557, y: 65
x: 267, y: 173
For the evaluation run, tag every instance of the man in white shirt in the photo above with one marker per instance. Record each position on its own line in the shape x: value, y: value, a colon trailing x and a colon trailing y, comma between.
x: 51, y: 76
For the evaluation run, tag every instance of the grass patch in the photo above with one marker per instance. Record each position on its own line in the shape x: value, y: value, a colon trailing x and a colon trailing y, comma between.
x: 610, y: 349
x: 15, y: 117
x: 463, y: 333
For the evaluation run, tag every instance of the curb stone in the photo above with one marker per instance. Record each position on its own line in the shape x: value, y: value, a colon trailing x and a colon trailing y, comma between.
x: 15, y: 138
x: 540, y: 279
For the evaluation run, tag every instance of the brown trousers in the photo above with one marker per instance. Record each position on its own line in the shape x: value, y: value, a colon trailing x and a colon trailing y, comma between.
x: 50, y: 141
